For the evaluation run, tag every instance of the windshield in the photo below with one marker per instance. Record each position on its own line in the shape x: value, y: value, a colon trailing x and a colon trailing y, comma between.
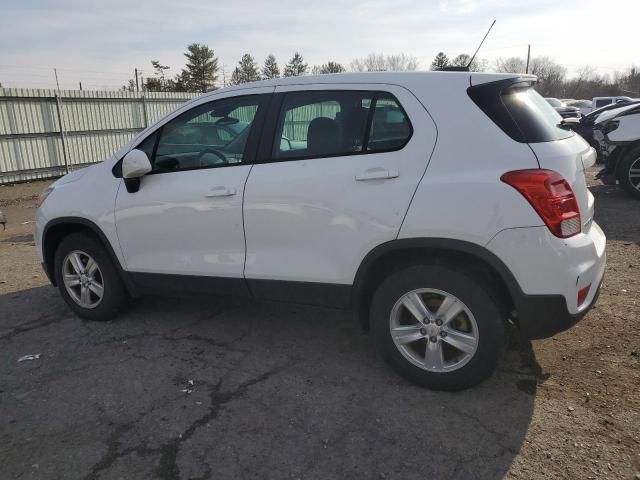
x: 554, y: 102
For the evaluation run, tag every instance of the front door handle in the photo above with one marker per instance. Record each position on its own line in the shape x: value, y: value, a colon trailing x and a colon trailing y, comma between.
x: 221, y: 192
x: 377, y: 174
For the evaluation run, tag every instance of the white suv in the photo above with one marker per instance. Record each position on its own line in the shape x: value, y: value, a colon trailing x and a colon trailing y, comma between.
x: 439, y: 206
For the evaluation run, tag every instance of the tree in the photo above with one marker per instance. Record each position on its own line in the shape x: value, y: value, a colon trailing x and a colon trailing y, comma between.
x: 374, y: 62
x: 401, y: 63
x: 377, y: 62
x: 270, y: 68
x: 130, y: 86
x: 510, y: 65
x: 440, y: 62
x: 200, y: 72
x: 158, y: 83
x: 551, y: 76
x: 246, y: 71
x: 629, y: 81
x: 296, y: 66
x: 331, y: 67
x: 180, y: 82
x: 463, y: 60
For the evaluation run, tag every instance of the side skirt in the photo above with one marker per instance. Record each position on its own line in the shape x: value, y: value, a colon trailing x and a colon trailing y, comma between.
x: 308, y: 293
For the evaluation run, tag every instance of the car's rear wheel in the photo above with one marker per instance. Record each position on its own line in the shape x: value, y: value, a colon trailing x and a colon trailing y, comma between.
x: 629, y: 172
x: 87, y: 278
x: 437, y: 327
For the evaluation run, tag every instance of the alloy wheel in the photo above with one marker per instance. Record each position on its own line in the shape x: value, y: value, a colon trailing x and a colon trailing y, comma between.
x: 634, y: 173
x: 83, y: 279
x: 434, y: 330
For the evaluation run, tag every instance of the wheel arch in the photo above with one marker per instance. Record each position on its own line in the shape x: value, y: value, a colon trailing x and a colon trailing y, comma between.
x: 396, y: 254
x: 58, y: 229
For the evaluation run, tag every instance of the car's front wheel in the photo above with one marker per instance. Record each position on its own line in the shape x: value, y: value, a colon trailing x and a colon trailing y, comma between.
x: 437, y: 327
x: 87, y: 278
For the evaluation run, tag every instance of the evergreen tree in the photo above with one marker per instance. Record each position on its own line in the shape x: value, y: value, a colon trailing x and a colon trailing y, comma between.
x: 441, y: 61
x: 270, y: 68
x: 331, y: 67
x: 158, y: 83
x: 246, y: 71
x: 296, y: 66
x: 200, y: 72
x: 180, y: 82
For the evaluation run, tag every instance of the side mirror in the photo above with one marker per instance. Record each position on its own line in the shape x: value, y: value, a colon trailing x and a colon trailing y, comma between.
x: 135, y: 164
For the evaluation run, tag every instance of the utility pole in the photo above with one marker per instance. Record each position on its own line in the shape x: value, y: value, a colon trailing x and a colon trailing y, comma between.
x: 80, y: 86
x: 528, y: 57
x: 137, y: 87
x: 55, y: 72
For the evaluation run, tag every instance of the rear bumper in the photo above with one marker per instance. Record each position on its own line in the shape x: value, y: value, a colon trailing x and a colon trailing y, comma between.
x: 542, y: 316
x: 550, y: 272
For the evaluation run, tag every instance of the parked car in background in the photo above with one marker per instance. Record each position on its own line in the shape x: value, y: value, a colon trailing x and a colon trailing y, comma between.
x: 354, y: 191
x: 618, y: 132
x: 585, y: 106
x: 564, y: 110
x: 584, y: 126
x: 567, y: 101
x: 599, y: 102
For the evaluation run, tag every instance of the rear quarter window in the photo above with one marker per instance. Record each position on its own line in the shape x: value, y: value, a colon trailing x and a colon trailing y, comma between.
x: 520, y: 111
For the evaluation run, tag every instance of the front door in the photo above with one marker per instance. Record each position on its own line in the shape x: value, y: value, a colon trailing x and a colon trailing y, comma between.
x: 186, y: 218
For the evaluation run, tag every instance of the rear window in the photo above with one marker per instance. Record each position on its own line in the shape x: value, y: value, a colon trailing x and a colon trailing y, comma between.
x: 603, y: 101
x: 519, y: 111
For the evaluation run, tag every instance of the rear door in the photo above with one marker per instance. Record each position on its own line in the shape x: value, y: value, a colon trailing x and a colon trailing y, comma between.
x: 334, y: 180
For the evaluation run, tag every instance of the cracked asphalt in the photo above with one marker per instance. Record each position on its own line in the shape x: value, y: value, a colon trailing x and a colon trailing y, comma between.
x: 210, y: 388
x: 277, y: 392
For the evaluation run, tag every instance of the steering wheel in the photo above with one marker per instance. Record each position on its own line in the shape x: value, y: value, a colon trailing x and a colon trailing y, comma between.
x: 206, y: 157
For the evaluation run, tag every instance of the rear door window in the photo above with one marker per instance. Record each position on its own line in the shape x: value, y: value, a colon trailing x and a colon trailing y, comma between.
x: 390, y: 127
x: 315, y: 124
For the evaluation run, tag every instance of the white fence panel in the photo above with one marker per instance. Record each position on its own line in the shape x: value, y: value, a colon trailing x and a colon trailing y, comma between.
x: 95, y: 124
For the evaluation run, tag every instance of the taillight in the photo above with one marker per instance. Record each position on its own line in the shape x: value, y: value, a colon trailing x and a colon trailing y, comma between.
x: 551, y: 197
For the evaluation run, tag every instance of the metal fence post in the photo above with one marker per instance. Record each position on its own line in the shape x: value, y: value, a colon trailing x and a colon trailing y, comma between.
x: 144, y: 111
x: 62, y: 135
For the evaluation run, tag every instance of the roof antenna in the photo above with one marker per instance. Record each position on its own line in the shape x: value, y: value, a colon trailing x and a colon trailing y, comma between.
x: 466, y: 68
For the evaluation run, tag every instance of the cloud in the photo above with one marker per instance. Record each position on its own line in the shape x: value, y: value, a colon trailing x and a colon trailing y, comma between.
x: 103, y: 41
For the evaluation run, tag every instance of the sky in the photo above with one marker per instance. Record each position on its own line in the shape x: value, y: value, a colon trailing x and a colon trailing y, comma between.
x: 99, y: 43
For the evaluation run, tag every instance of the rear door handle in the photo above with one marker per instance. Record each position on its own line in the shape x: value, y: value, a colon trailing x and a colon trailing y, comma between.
x: 221, y: 192
x: 377, y: 174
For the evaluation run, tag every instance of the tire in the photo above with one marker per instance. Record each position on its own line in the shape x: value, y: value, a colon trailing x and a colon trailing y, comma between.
x: 434, y: 283
x: 114, y: 294
x: 631, y: 159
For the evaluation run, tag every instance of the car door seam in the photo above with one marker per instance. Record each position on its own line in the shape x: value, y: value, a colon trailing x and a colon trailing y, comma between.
x: 115, y: 224
x: 424, y: 172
